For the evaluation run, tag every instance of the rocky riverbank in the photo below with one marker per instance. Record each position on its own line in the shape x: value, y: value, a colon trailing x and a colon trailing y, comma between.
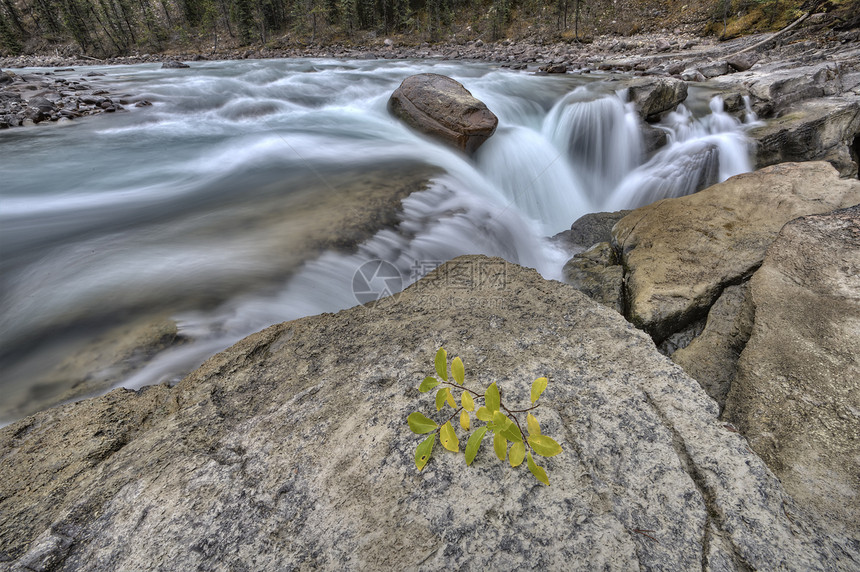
x: 58, y: 96
x: 62, y: 95
x: 291, y: 449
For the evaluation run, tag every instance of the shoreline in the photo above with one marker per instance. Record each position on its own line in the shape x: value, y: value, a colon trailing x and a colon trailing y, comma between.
x: 59, y: 97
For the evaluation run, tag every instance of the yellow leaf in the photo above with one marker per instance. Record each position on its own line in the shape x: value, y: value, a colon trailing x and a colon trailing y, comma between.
x: 464, y: 420
x: 538, y: 472
x: 424, y: 450
x: 428, y: 384
x: 420, y: 423
x: 492, y: 398
x: 448, y: 437
x: 484, y: 414
x: 544, y: 446
x: 537, y: 387
x: 441, y: 397
x: 458, y: 371
x: 517, y: 454
x: 450, y: 400
x: 473, y: 444
x: 500, y: 446
x: 467, y: 401
x: 441, y: 363
x: 534, y: 426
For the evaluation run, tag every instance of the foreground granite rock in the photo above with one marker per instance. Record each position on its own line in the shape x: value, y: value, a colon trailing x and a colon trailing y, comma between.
x: 797, y: 392
x: 442, y: 108
x: 290, y: 451
x: 679, y: 254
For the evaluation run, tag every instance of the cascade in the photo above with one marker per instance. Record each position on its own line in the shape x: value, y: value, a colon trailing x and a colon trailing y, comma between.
x: 168, y: 209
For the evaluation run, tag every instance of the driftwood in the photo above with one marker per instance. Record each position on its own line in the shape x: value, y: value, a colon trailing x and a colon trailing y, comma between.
x: 778, y: 34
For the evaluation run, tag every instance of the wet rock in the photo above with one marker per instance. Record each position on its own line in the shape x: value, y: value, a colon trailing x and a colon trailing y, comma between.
x: 597, y: 274
x: 590, y: 229
x: 43, y: 104
x: 265, y: 456
x: 174, y: 64
x: 711, y: 358
x: 654, y: 96
x: 5, y: 78
x: 554, y: 68
x: 797, y: 393
x: 680, y: 253
x: 819, y: 129
x: 442, y: 108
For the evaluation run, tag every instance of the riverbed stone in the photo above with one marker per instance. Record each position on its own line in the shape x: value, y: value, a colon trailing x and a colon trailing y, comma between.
x: 290, y: 450
x: 680, y: 253
x: 442, y: 108
x: 797, y: 392
x: 819, y: 129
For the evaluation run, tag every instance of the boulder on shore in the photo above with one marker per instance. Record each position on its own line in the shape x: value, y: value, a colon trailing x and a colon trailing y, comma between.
x: 679, y: 254
x: 290, y: 450
x: 796, y: 396
x: 442, y: 108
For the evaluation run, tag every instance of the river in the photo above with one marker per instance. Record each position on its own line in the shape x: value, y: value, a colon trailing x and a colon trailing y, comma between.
x: 135, y: 245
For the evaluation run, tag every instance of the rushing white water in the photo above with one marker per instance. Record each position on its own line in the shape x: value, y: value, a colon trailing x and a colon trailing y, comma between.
x: 194, y: 208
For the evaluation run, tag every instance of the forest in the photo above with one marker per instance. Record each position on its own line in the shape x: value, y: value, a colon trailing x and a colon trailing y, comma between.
x: 105, y: 28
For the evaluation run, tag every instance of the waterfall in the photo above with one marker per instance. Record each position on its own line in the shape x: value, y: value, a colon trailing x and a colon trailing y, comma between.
x: 176, y: 208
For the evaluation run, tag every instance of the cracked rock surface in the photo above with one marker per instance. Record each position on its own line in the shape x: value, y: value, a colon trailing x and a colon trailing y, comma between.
x: 290, y: 450
x: 679, y: 254
x: 797, y: 392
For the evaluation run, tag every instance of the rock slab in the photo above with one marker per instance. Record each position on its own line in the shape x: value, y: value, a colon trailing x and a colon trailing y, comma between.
x: 291, y: 451
x: 797, y: 392
x: 679, y: 254
x: 825, y: 129
x: 442, y: 108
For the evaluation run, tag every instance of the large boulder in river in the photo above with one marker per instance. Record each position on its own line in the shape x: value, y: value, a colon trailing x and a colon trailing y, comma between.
x: 679, y: 254
x: 796, y: 396
x: 290, y: 450
x: 441, y: 107
x: 655, y: 95
x: 826, y: 129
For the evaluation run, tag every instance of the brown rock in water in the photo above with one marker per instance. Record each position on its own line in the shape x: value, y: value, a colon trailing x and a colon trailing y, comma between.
x: 797, y: 393
x: 174, y: 64
x: 441, y: 107
x: 653, y: 96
